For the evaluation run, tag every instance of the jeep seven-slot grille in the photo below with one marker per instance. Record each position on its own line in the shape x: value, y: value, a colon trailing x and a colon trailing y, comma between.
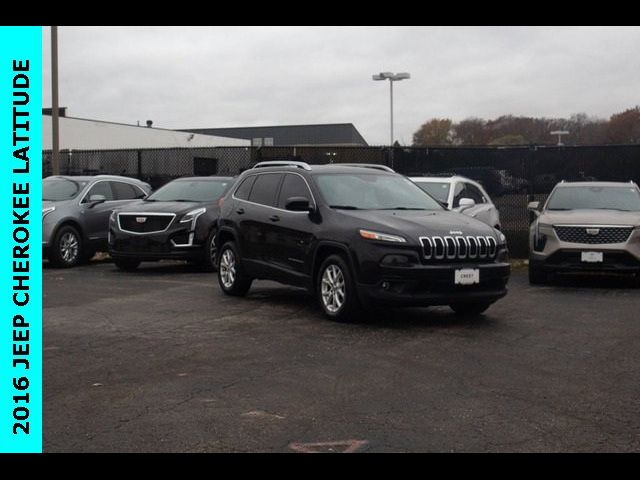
x: 593, y: 235
x: 141, y: 223
x: 459, y: 247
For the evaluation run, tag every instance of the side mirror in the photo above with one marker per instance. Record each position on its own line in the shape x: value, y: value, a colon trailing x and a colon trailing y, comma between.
x: 96, y: 199
x: 534, y: 207
x: 298, y: 204
x: 465, y: 204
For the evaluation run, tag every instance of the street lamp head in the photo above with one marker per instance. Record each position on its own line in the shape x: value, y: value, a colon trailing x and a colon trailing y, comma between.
x: 394, y: 77
x: 383, y: 76
x: 401, y: 76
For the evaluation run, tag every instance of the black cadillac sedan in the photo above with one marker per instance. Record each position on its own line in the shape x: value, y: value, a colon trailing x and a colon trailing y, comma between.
x: 178, y: 221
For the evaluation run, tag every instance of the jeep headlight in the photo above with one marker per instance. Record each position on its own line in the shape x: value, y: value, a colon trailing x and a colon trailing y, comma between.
x: 47, y: 211
x: 193, y: 215
x: 502, y: 240
x: 383, y: 237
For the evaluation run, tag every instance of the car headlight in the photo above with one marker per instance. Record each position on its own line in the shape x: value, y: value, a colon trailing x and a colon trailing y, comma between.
x: 502, y: 240
x: 384, y: 237
x: 540, y: 239
x: 112, y: 217
x: 47, y: 211
x: 192, y: 215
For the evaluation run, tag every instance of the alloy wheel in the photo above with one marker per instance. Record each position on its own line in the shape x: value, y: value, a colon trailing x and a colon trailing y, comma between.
x: 228, y: 268
x: 69, y: 247
x: 332, y: 288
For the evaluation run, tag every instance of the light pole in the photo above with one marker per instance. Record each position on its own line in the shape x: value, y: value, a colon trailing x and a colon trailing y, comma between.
x: 392, y: 77
x: 560, y: 134
x: 55, y: 132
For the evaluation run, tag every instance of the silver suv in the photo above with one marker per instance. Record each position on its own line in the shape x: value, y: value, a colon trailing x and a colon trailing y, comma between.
x: 75, y: 214
x: 586, y: 226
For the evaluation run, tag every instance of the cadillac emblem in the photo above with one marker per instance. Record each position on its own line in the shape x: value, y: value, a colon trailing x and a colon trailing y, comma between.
x: 593, y: 231
x: 141, y: 219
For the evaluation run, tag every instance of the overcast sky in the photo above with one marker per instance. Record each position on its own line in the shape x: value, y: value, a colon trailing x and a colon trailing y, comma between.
x: 182, y: 77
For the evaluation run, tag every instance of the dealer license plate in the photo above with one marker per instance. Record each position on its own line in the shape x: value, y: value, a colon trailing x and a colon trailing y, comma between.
x: 467, y: 276
x: 592, y: 257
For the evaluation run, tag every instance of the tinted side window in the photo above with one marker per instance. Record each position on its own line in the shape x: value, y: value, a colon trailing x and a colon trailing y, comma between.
x: 458, y: 194
x: 293, y: 186
x: 125, y: 191
x: 472, y: 192
x: 265, y: 189
x: 243, y: 190
x: 100, y: 188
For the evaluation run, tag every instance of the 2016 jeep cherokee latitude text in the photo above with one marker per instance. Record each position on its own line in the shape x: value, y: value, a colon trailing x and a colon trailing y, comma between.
x: 356, y: 237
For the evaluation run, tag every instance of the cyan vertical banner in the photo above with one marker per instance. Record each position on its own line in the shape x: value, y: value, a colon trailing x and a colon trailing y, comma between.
x: 20, y: 239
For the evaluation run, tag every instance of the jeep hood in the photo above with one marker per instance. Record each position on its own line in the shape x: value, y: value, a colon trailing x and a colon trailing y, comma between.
x: 417, y: 223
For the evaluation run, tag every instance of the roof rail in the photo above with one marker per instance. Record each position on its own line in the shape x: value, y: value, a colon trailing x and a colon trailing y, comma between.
x: 283, y: 163
x: 375, y: 166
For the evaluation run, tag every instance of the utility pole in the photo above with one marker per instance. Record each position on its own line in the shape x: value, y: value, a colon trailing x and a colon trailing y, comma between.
x: 55, y: 152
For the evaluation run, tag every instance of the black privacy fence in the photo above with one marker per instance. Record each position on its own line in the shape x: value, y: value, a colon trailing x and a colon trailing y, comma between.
x: 512, y: 176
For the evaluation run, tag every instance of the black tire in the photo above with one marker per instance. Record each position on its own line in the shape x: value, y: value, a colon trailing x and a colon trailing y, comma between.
x: 127, y: 264
x: 470, y: 309
x: 231, y: 276
x: 66, y: 249
x: 350, y: 310
x: 536, y: 275
x: 209, y: 253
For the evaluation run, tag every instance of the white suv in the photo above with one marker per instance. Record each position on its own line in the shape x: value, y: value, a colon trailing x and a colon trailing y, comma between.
x: 463, y: 195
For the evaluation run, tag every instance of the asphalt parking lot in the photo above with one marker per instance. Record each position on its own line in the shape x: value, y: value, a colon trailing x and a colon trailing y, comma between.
x: 161, y: 360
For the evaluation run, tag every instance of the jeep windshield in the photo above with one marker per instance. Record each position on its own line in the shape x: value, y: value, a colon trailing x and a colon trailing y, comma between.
x: 57, y: 189
x: 190, y: 191
x: 372, y: 191
x: 626, y: 199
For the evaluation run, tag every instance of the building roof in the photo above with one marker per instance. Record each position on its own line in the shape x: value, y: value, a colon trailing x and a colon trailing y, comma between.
x: 334, y: 134
x: 86, y: 134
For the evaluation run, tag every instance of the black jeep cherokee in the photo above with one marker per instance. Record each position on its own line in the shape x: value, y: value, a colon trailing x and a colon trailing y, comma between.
x: 357, y: 237
x: 175, y: 222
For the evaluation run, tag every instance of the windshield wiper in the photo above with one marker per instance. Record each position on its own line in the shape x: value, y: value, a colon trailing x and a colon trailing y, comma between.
x: 344, y: 207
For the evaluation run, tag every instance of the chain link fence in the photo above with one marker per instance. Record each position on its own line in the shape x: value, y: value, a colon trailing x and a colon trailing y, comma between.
x: 512, y: 176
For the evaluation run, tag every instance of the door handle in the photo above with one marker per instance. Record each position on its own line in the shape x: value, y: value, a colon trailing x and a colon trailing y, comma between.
x: 274, y: 218
x: 240, y: 211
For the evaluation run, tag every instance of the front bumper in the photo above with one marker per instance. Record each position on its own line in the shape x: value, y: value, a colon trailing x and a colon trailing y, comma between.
x: 177, y: 244
x: 426, y: 285
x: 553, y: 255
x: 570, y: 260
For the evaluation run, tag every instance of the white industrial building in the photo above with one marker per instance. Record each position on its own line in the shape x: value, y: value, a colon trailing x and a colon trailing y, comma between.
x: 156, y: 155
x: 84, y: 134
